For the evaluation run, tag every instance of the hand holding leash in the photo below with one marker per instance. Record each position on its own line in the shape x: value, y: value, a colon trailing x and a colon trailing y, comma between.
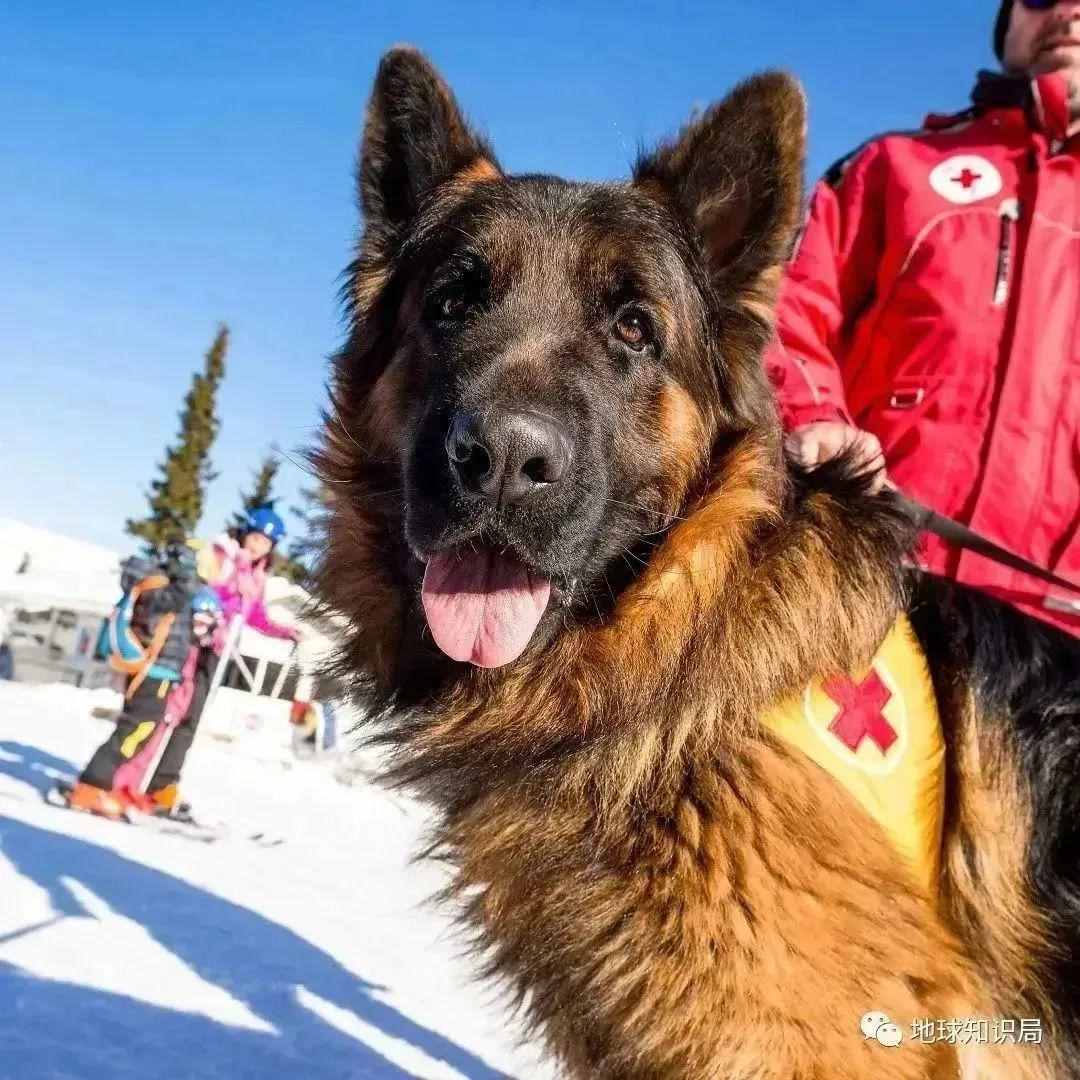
x: 822, y: 440
x: 816, y: 443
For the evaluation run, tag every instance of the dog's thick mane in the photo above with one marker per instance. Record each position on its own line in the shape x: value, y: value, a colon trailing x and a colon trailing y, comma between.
x: 614, y: 786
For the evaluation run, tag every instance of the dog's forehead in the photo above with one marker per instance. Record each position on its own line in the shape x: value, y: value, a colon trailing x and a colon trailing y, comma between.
x: 549, y: 223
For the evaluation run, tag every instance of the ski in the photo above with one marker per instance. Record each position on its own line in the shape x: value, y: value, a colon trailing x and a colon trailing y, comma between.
x: 186, y: 827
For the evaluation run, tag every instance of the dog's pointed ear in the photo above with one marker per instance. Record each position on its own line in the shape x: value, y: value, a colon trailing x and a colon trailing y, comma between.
x: 415, y: 137
x: 736, y: 173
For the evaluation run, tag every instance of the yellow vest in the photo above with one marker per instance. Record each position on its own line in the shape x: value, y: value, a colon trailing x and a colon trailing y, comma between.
x: 880, y: 736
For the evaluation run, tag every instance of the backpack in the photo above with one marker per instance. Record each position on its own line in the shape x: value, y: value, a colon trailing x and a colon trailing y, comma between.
x: 137, y: 629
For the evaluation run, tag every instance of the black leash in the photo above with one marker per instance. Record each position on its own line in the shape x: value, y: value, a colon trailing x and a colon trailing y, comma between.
x: 962, y: 536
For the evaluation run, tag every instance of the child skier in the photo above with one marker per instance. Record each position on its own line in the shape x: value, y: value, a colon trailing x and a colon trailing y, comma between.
x: 138, y: 766
x: 237, y: 566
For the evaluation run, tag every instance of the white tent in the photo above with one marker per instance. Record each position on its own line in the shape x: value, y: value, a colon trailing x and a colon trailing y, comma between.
x: 58, y: 571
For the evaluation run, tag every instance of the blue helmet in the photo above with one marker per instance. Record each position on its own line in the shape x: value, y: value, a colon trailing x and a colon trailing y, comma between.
x: 206, y: 602
x: 263, y: 520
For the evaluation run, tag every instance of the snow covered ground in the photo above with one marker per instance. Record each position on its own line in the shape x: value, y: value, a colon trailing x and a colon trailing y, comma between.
x: 125, y: 953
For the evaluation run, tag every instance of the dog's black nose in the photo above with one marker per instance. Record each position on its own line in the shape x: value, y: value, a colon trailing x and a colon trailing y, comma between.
x: 508, y: 457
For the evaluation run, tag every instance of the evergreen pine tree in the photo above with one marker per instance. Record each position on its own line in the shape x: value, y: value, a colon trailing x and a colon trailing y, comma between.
x: 176, y: 498
x: 311, y: 511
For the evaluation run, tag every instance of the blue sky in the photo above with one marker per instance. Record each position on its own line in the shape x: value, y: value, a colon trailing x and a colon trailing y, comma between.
x: 168, y: 167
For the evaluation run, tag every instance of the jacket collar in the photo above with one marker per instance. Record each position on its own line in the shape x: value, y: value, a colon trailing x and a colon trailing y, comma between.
x: 1044, y: 100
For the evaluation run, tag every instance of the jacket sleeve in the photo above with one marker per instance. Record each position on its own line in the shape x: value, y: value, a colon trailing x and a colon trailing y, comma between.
x: 828, y: 283
x: 215, y: 558
x: 209, y: 563
x: 258, y: 619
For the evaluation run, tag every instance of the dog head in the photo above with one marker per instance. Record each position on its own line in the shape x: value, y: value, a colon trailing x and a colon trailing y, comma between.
x: 541, y: 376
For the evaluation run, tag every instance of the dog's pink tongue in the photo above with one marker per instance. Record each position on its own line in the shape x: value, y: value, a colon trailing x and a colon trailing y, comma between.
x: 482, y: 607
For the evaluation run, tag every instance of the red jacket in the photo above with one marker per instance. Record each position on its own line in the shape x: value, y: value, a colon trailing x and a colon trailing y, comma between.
x: 934, y: 300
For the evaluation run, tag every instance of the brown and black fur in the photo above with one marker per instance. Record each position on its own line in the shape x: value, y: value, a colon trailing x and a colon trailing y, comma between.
x: 667, y: 891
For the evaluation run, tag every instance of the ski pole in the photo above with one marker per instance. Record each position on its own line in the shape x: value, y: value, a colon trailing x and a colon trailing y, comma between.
x: 169, y: 726
x: 231, y: 642
x: 171, y: 722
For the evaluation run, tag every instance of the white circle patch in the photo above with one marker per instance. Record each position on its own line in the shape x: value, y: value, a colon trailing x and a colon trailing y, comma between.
x: 966, y: 178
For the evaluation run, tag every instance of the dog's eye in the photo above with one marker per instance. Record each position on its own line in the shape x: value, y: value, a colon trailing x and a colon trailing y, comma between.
x: 452, y: 305
x: 458, y: 291
x: 449, y: 305
x: 632, y: 328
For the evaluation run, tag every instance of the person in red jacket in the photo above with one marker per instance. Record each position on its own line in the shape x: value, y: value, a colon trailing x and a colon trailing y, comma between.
x: 930, y: 316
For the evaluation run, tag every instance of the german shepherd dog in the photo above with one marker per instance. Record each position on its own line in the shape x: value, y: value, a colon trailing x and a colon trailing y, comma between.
x: 576, y: 570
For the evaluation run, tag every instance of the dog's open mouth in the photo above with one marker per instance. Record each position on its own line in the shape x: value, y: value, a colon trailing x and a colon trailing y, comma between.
x: 483, y: 605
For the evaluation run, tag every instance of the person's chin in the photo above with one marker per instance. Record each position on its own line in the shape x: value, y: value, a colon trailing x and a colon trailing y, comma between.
x: 1058, y: 58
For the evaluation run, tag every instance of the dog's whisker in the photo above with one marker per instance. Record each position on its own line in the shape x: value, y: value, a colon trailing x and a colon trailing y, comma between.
x: 656, y: 532
x: 309, y: 471
x: 349, y: 435
x: 378, y: 494
x: 611, y: 592
x: 669, y: 517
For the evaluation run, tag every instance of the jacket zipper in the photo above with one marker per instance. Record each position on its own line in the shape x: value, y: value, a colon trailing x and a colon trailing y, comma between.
x: 1009, y: 214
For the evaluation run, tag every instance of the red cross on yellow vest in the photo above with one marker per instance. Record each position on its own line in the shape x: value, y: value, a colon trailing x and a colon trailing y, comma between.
x: 862, y: 711
x: 879, y: 735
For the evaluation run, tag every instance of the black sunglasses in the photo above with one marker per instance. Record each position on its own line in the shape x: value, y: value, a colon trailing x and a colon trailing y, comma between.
x: 1038, y: 5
